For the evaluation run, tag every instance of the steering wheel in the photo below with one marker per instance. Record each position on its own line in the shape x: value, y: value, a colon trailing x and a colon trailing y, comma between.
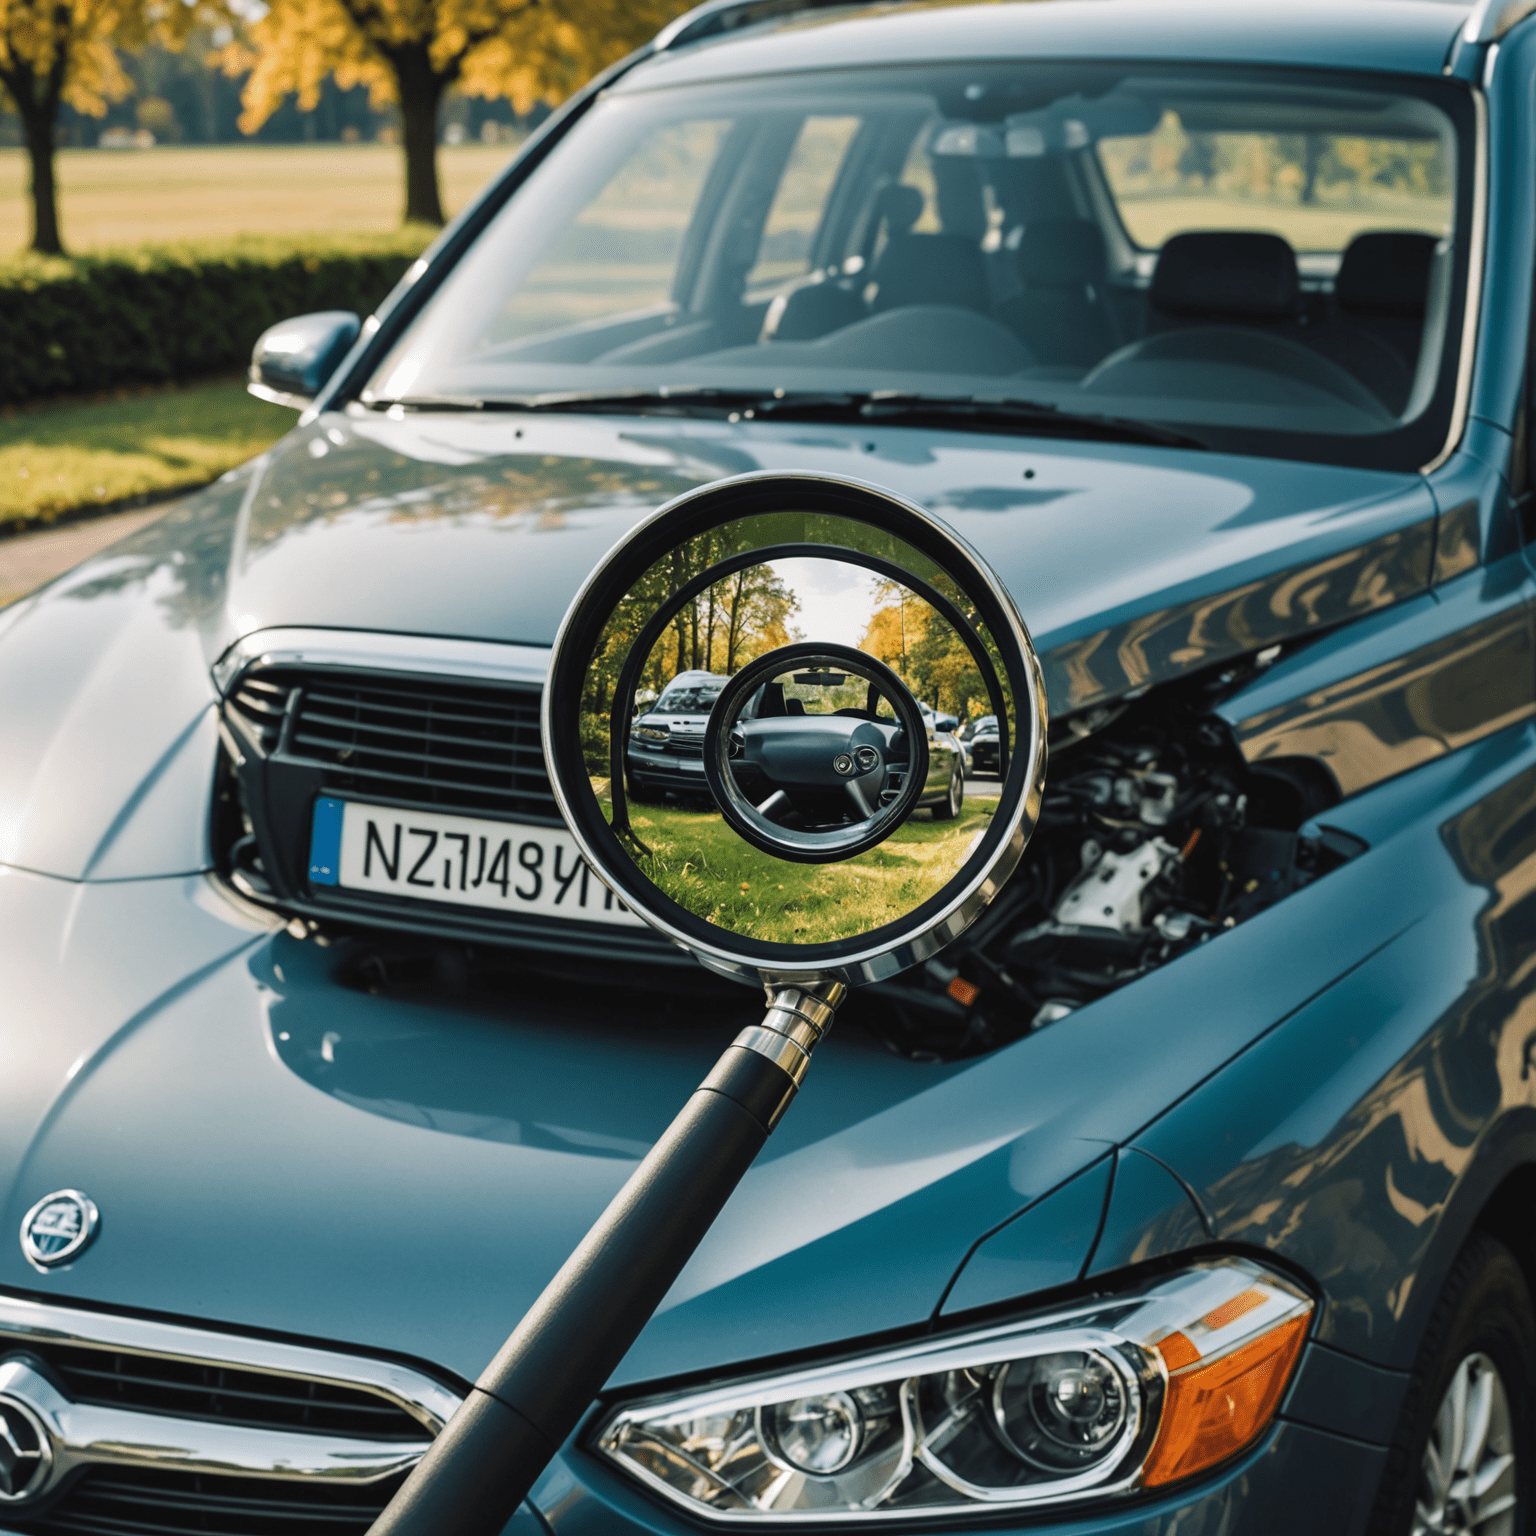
x: 815, y: 788
x: 1235, y: 347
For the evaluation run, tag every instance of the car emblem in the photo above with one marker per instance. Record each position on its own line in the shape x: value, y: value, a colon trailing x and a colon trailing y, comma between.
x: 867, y: 759
x: 842, y: 764
x: 58, y: 1228
x: 25, y: 1454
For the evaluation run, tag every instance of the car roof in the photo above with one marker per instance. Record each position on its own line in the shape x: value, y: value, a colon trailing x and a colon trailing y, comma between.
x: 1394, y: 36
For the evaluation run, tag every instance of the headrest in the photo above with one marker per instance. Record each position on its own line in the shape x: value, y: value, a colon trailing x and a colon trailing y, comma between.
x: 794, y: 706
x: 931, y: 269
x: 900, y: 206
x: 1226, y: 272
x: 1385, y: 274
x: 1061, y: 253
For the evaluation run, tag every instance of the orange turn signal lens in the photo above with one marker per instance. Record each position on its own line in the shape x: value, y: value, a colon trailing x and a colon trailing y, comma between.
x: 1212, y: 1411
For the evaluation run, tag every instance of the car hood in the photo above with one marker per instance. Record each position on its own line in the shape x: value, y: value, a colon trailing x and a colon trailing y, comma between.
x: 274, y: 1148
x: 1128, y: 564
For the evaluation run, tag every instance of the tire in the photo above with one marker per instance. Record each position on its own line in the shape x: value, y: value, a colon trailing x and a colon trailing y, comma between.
x: 949, y: 807
x: 1480, y: 1350
x: 643, y: 794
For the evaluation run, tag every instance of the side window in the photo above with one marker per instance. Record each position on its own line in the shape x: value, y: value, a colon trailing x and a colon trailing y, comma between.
x: 799, y: 201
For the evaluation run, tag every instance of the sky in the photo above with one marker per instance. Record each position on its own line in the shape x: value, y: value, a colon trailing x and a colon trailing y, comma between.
x: 836, y: 600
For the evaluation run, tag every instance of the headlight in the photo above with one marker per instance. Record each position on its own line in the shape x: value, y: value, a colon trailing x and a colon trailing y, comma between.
x: 1121, y: 1393
x: 652, y: 732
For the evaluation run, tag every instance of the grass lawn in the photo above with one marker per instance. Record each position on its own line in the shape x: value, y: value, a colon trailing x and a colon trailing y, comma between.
x: 58, y: 457
x: 706, y: 868
x: 123, y: 197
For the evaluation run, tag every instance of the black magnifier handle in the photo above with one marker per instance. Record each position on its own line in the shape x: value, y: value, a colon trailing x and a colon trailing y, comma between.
x: 533, y: 1394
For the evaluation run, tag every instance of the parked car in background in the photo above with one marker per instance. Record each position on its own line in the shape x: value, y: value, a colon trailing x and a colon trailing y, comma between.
x: 1208, y: 327
x: 982, y: 750
x: 666, y: 742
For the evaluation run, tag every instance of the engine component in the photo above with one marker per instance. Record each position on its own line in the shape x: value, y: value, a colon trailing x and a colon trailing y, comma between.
x: 1111, y: 893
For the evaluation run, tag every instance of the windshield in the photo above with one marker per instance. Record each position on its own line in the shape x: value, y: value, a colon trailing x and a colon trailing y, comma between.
x: 1262, y: 261
x: 690, y: 698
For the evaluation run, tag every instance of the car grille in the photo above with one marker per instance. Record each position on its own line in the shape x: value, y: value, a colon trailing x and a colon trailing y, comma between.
x: 162, y: 1429
x: 133, y: 1501
x: 192, y: 1389
x: 449, y: 745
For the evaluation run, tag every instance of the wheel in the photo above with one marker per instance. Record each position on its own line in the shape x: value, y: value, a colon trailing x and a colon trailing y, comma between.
x: 949, y: 807
x: 1461, y: 1458
x: 643, y: 794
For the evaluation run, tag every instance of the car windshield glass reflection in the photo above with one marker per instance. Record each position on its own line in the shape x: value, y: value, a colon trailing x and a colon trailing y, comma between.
x: 1267, y: 261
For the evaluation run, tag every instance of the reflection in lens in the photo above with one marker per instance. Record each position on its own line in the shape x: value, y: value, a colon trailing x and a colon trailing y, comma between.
x: 838, y: 805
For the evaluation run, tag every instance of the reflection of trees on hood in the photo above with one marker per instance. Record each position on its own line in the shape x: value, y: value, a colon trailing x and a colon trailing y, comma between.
x: 924, y: 651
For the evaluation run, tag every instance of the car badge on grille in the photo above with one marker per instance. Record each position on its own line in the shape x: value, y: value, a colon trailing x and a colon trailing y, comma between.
x: 25, y: 1454
x: 58, y: 1228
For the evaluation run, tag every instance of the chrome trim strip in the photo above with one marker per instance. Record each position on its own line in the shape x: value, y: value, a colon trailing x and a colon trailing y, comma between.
x: 36, y: 1323
x: 477, y: 660
x: 1472, y: 310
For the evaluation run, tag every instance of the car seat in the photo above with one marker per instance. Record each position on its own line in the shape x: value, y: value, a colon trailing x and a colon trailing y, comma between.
x: 931, y: 269
x: 1224, y: 277
x: 1061, y: 314
x: 1377, y: 321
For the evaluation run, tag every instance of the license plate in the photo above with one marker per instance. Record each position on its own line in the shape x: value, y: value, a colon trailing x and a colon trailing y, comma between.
x: 461, y: 859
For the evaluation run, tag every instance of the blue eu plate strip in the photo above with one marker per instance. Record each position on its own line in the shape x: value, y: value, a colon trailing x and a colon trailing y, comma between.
x: 325, y: 842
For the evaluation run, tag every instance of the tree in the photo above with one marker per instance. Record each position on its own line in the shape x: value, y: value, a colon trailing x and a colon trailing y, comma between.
x: 924, y: 651
x: 409, y: 52
x: 56, y: 51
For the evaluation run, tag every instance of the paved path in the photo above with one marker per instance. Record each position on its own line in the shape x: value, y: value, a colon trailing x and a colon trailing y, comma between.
x: 30, y: 559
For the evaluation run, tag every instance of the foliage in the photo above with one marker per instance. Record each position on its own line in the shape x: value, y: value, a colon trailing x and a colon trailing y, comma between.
x: 177, y: 312
x: 409, y: 52
x: 727, y: 625
x: 56, y: 51
x: 57, y: 459
x: 910, y: 638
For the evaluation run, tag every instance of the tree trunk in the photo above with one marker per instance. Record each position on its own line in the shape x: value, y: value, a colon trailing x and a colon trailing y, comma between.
x: 421, y: 94
x: 38, y: 128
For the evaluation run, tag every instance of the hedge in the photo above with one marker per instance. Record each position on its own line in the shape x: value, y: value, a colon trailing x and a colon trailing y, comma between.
x: 171, y: 313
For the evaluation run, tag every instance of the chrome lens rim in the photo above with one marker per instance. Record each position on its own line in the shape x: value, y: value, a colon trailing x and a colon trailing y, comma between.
x: 865, y: 957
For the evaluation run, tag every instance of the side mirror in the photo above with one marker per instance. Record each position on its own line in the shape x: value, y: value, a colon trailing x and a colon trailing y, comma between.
x: 292, y: 360
x: 797, y: 863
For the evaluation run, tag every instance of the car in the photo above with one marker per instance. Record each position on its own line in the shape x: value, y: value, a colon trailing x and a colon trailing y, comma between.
x: 666, y: 742
x: 1207, y: 329
x: 982, y: 749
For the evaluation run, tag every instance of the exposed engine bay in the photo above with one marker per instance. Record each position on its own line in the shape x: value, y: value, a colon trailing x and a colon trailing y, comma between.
x: 1155, y: 836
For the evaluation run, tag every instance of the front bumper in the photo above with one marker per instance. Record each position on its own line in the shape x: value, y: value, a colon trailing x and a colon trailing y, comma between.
x: 665, y: 770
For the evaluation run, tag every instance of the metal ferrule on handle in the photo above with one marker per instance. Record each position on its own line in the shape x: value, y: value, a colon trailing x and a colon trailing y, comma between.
x: 545, y: 1377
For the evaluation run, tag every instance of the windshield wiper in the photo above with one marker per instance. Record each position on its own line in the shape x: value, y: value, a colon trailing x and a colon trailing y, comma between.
x: 662, y: 401
x: 990, y: 412
x: 896, y: 407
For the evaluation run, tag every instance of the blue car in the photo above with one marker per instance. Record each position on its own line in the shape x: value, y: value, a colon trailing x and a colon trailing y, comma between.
x: 1193, y: 1189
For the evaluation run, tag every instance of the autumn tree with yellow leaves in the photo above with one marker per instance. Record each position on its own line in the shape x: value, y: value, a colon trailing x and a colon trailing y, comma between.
x: 57, y: 51
x: 409, y: 52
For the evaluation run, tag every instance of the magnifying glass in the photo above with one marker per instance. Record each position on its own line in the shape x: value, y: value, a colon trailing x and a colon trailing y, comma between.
x: 810, y: 840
